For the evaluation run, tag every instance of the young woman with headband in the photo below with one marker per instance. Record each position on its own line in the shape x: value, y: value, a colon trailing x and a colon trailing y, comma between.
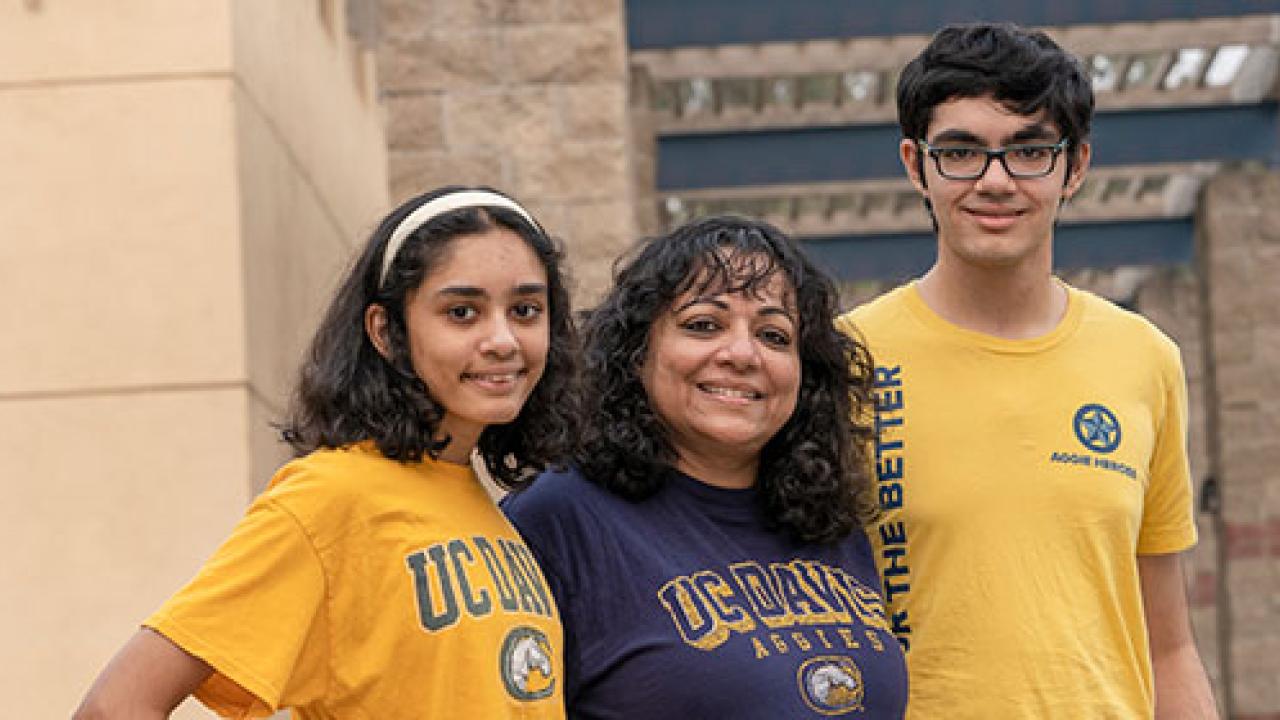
x: 374, y: 578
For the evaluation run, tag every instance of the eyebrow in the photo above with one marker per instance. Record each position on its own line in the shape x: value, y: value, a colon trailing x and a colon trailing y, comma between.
x: 470, y: 291
x: 766, y: 310
x: 1032, y: 131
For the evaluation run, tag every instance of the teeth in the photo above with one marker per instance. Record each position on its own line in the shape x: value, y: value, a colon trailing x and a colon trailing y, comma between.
x: 730, y: 392
x: 493, y: 377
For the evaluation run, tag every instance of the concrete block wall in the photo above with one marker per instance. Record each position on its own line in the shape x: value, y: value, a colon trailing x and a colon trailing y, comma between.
x: 1240, y: 223
x: 527, y: 96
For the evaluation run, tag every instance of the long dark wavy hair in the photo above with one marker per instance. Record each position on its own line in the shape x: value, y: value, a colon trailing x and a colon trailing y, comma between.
x: 348, y: 392
x: 813, y: 471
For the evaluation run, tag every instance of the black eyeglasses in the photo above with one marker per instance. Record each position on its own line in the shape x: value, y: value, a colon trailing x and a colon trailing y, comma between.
x: 966, y: 162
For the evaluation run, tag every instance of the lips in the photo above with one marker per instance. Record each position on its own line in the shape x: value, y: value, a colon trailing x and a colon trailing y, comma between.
x: 994, y: 218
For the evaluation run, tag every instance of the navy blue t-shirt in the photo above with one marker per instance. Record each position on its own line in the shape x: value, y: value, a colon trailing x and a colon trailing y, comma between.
x: 684, y: 606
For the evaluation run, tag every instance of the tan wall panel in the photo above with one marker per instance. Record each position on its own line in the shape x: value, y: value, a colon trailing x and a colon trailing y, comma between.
x: 58, y: 40
x: 294, y: 255
x: 315, y: 87
x: 120, y: 260
x: 111, y: 504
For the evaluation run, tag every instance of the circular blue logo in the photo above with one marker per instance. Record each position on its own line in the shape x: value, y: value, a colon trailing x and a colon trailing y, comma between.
x: 1097, y: 428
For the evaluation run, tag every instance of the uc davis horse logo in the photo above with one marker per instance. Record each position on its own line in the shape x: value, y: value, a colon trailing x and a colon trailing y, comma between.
x: 525, y: 664
x: 1097, y: 428
x: 831, y: 685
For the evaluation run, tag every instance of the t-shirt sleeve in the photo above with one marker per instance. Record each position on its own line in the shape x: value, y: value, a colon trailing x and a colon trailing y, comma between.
x: 1168, y: 524
x: 254, y: 612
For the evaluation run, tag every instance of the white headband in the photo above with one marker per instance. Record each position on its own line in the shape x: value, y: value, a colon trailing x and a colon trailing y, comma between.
x: 439, y: 206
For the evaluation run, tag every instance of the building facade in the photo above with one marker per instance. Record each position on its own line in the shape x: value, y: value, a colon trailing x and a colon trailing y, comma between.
x: 182, y: 183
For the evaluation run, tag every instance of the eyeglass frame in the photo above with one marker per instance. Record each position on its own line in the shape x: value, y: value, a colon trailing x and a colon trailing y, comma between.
x: 1056, y: 148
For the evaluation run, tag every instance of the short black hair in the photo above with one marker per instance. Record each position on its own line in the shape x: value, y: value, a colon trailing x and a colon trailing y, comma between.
x: 348, y: 392
x: 812, y: 471
x: 1023, y: 69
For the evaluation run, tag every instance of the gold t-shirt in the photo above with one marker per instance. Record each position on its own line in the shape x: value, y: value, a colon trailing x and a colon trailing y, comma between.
x: 1018, y: 482
x: 360, y: 587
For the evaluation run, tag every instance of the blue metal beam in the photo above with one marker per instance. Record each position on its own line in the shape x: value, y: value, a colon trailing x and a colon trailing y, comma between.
x: 676, y: 23
x: 898, y: 257
x: 1232, y: 133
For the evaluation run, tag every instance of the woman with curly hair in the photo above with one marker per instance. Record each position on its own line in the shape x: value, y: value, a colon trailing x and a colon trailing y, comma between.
x: 705, y: 549
x: 375, y: 578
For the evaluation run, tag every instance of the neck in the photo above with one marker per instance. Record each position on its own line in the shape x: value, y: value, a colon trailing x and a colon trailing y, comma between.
x: 1010, y: 303
x: 461, y: 443
x: 719, y: 472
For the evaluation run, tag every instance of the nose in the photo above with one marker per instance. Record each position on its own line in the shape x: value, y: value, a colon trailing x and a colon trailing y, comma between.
x: 739, y: 350
x: 500, y: 341
x: 995, y: 178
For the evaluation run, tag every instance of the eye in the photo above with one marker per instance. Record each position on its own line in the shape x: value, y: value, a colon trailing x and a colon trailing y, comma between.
x: 700, y: 325
x: 526, y: 311
x: 956, y: 154
x: 461, y: 313
x: 1029, y: 152
x: 775, y: 337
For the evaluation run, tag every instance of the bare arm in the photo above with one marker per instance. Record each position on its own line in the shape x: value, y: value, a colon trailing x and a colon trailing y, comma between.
x: 1182, y: 688
x: 146, y: 679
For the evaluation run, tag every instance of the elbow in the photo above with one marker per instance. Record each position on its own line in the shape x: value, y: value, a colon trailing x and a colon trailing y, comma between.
x: 90, y: 710
x: 95, y: 707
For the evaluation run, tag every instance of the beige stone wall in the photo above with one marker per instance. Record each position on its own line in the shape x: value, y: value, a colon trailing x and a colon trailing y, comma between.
x: 527, y: 96
x: 1241, y: 232
x: 181, y: 182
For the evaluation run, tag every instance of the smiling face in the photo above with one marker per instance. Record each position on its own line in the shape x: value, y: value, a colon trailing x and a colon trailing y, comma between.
x: 722, y: 371
x: 994, y: 220
x: 478, y: 333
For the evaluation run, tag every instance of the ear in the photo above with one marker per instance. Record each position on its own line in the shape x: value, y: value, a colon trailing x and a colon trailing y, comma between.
x: 375, y: 326
x: 1079, y: 166
x: 909, y: 153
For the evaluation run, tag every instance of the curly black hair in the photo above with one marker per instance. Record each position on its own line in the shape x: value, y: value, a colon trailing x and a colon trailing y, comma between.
x: 813, y: 471
x: 348, y: 392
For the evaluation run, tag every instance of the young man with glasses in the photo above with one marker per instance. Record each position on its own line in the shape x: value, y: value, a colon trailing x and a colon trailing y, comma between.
x: 1031, y: 463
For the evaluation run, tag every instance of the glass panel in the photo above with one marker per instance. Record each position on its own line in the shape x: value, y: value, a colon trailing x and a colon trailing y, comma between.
x: 1115, y: 187
x: 823, y: 89
x: 1187, y: 65
x: 696, y: 97
x: 1152, y: 185
x: 666, y: 96
x: 1142, y: 70
x: 862, y: 86
x: 674, y: 211
x: 1105, y: 72
x: 1226, y: 63
x: 841, y: 202
x: 738, y: 93
x: 780, y: 91
x: 812, y: 206
x: 1086, y: 192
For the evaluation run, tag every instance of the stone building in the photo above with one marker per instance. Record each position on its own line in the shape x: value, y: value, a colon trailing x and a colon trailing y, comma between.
x: 615, y: 119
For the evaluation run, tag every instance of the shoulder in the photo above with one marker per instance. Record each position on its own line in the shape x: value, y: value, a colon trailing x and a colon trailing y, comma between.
x: 327, y: 470
x: 563, y: 518
x: 326, y: 487
x: 869, y: 316
x: 555, y: 498
x: 1127, y: 329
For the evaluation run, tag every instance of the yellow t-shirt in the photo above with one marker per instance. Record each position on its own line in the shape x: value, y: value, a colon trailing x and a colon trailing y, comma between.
x: 360, y: 587
x: 1018, y: 482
